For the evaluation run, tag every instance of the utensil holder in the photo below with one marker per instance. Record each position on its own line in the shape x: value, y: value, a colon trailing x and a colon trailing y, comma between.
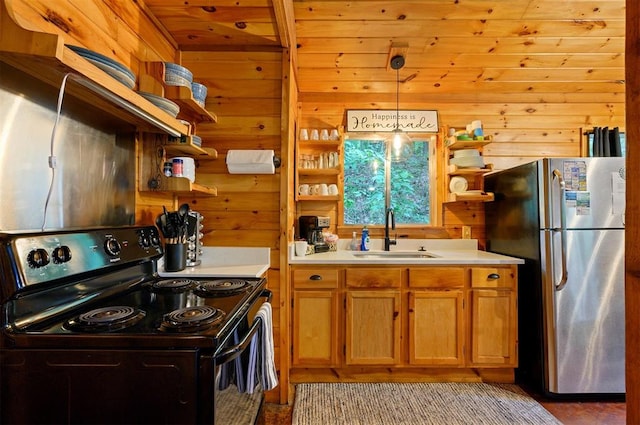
x: 175, y: 257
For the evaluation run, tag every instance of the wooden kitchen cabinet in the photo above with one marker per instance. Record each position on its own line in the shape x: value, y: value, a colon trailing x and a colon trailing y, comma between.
x: 316, y: 337
x: 403, y: 321
x: 493, y: 316
x: 436, y: 316
x: 373, y: 322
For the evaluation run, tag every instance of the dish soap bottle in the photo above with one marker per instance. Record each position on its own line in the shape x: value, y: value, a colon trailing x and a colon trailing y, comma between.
x: 364, y: 244
x: 354, y: 245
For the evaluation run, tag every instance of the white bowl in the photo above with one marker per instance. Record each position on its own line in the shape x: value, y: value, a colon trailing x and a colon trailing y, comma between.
x: 469, y: 162
x: 466, y: 153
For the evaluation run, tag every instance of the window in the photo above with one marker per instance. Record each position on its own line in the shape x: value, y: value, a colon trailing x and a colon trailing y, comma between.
x: 369, y: 186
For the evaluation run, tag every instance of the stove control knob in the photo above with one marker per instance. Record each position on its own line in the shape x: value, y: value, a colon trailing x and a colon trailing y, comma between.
x: 155, y: 240
x: 61, y: 254
x: 37, y: 258
x: 112, y: 247
x: 143, y: 241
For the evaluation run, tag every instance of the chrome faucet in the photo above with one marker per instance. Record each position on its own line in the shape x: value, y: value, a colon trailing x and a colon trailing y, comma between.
x: 389, y: 218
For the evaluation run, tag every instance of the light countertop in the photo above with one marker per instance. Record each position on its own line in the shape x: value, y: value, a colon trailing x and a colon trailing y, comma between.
x: 222, y: 261
x: 444, y: 251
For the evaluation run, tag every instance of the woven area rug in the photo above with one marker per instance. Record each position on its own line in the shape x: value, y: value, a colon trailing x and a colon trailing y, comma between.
x: 420, y: 403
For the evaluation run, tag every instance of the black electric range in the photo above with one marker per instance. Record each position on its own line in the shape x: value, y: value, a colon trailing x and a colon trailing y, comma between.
x: 92, y: 334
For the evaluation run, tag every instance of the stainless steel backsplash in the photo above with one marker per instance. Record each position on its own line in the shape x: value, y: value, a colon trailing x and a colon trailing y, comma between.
x: 93, y: 183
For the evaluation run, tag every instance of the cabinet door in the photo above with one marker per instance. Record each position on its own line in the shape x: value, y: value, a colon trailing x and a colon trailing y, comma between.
x: 373, y: 327
x: 436, y: 327
x: 315, y: 328
x: 493, y: 328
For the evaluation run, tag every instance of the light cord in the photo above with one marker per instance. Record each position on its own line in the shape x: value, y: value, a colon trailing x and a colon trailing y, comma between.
x: 52, y: 158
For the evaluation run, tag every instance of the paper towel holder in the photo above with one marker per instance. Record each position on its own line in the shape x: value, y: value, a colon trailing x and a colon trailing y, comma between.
x: 276, y: 161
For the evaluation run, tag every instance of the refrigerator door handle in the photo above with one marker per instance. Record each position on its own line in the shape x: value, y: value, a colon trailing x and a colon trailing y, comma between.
x: 563, y: 230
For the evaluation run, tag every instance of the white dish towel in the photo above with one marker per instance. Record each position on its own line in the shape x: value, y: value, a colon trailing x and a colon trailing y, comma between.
x: 250, y: 162
x: 262, y: 366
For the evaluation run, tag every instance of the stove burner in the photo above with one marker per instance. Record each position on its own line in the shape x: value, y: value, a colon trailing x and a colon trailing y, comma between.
x: 221, y: 287
x: 173, y: 285
x: 106, y: 319
x: 191, y: 319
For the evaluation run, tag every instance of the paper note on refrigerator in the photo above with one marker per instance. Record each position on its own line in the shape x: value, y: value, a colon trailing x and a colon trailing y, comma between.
x: 618, y: 188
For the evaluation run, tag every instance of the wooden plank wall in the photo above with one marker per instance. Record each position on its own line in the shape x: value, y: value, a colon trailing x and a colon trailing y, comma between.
x: 245, y: 92
x: 523, y: 130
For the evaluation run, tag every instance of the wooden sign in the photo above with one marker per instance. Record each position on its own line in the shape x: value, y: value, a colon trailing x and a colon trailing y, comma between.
x: 384, y: 121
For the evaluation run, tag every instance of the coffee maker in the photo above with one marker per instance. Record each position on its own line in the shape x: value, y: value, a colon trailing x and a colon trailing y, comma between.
x: 311, y: 230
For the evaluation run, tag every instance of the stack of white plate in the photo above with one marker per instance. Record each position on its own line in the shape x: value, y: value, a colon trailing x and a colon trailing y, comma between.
x: 108, y: 65
x: 166, y: 105
x: 467, y: 158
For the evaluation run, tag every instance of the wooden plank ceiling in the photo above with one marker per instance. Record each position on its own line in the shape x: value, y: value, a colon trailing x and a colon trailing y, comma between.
x: 455, y: 47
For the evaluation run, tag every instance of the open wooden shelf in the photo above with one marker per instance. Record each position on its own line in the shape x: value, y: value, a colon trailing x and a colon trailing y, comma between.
x: 153, y: 82
x: 456, y: 144
x: 46, y: 57
x: 455, y: 170
x: 470, y: 197
x: 184, y: 146
x: 318, y: 171
x: 318, y: 197
x: 182, y: 185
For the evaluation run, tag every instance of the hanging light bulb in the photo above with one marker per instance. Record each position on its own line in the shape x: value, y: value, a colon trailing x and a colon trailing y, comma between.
x: 399, y: 139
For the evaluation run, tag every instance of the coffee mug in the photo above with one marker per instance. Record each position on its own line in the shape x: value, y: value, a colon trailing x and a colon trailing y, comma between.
x: 304, y: 134
x: 333, y: 189
x: 324, y: 189
x: 314, y: 190
x: 324, y: 134
x: 303, y: 189
x: 315, y: 135
x: 301, y: 248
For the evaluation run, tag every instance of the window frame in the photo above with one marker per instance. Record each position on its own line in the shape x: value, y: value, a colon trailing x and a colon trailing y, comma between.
x: 435, y: 198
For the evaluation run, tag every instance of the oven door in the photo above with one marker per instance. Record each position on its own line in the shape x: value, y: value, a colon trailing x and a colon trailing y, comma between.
x: 239, y: 396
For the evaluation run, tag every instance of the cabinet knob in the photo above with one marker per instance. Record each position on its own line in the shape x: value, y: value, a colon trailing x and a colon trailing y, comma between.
x: 315, y: 277
x: 493, y: 276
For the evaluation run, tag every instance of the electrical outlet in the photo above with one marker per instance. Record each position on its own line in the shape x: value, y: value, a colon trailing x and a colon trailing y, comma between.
x: 466, y: 232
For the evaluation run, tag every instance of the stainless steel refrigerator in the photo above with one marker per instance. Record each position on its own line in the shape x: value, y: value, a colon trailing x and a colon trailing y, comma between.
x: 565, y: 218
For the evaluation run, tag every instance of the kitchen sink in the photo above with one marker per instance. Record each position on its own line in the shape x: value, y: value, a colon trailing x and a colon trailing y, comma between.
x: 394, y: 254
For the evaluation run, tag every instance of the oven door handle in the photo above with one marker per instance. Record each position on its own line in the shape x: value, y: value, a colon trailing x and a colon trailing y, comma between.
x: 234, y: 351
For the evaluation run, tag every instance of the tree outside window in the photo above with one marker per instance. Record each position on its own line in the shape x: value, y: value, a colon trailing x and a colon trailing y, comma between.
x: 364, y: 183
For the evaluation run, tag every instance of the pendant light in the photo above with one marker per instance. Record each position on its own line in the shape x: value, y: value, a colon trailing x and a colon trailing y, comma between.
x: 400, y: 140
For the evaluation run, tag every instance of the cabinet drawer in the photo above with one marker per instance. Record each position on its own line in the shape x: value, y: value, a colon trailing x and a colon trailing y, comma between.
x: 374, y: 278
x: 493, y: 277
x: 315, y: 278
x: 437, y: 277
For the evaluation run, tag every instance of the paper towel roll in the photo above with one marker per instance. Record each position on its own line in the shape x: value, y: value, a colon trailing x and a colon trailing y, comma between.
x: 250, y: 162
